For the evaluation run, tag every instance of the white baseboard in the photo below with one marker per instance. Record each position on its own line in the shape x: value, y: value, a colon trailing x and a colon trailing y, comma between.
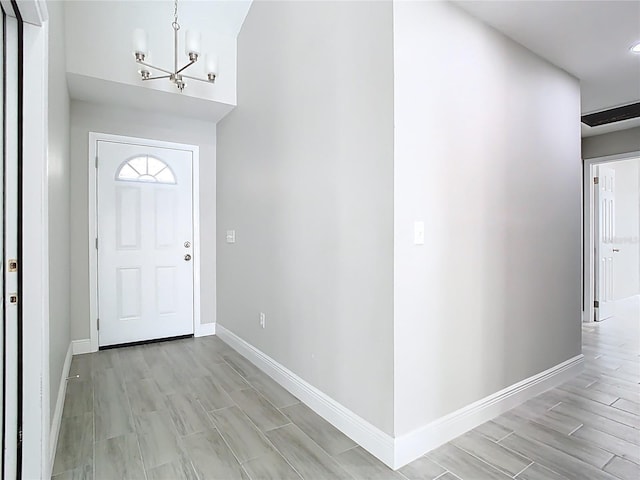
x: 81, y: 346
x: 205, y: 329
x: 399, y: 451
x: 412, y: 445
x: 367, y: 435
x: 56, y: 420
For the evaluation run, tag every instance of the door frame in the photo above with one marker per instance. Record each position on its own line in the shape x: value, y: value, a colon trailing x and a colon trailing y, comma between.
x: 94, y: 137
x: 588, y: 265
x: 34, y: 226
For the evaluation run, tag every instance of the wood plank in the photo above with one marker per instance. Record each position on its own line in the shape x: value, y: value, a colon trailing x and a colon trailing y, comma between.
x: 554, y: 459
x: 463, y: 464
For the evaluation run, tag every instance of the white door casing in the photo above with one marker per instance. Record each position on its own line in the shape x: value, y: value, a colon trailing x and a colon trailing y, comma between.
x: 604, y: 219
x: 11, y: 250
x: 145, y: 242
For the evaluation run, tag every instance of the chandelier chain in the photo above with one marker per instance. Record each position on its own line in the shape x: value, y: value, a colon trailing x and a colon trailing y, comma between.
x: 175, y: 24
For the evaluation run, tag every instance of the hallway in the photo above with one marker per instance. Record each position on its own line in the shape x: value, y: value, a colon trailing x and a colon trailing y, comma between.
x: 196, y: 409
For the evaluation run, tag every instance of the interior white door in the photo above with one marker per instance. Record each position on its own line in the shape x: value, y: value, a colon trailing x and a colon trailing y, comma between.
x: 605, y: 229
x: 145, y: 243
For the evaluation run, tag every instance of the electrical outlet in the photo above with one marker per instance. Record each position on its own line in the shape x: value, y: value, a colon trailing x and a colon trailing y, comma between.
x: 231, y: 236
x: 263, y: 319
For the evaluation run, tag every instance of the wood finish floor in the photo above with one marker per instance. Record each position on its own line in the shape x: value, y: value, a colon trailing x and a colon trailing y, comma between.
x: 133, y: 413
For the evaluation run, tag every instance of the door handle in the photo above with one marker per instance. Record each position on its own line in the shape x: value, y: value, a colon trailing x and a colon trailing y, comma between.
x: 187, y: 257
x: 616, y: 249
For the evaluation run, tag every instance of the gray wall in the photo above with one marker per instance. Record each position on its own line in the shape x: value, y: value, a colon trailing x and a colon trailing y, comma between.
x: 58, y: 177
x: 613, y: 143
x: 305, y: 177
x: 487, y: 154
x: 88, y: 117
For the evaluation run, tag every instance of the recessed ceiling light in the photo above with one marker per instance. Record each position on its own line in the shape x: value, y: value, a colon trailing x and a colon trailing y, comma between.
x: 635, y: 48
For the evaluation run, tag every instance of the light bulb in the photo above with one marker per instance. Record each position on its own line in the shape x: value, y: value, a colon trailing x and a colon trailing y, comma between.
x: 635, y: 48
x: 192, y: 42
x: 139, y: 41
x: 211, y: 64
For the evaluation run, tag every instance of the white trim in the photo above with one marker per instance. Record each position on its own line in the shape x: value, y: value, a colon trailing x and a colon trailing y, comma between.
x: 195, y: 205
x: 93, y: 219
x: 397, y: 452
x: 205, y: 329
x: 57, y: 414
x: 414, y: 444
x: 588, y: 313
x: 372, y: 439
x: 81, y: 346
x: 35, y: 255
x: 32, y: 11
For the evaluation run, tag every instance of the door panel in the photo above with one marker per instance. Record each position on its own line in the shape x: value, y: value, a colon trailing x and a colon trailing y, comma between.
x: 128, y: 218
x: 605, y: 237
x: 145, y: 285
x: 166, y: 288
x: 129, y: 293
x: 165, y: 218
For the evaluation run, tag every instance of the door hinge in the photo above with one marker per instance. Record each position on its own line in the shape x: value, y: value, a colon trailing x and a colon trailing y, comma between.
x: 96, y: 243
x: 96, y: 161
x: 20, y: 436
x: 98, y: 323
x: 13, y: 265
x: 596, y: 180
x: 596, y: 304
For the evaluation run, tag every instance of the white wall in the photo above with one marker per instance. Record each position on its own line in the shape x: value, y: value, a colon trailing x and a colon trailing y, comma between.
x: 613, y: 143
x: 59, y: 224
x: 305, y: 177
x: 88, y: 117
x: 626, y: 280
x: 487, y: 153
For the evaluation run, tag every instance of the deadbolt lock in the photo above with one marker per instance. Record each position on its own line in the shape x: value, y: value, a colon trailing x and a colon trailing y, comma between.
x: 187, y: 244
x: 13, y: 265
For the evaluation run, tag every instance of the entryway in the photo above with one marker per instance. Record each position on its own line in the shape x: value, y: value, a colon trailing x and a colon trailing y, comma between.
x: 145, y: 239
x: 612, y: 237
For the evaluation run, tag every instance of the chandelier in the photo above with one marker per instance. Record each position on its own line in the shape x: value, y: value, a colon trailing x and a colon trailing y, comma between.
x: 192, y: 50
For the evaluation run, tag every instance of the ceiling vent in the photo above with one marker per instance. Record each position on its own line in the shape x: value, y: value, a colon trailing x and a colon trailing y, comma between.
x: 612, y: 115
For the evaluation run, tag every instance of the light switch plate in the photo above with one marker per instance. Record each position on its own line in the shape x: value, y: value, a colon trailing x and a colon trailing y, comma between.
x: 231, y: 236
x: 418, y: 233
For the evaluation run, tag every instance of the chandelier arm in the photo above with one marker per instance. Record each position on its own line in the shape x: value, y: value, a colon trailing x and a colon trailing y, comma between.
x: 156, y: 78
x: 196, y: 78
x: 154, y: 67
x: 186, y: 66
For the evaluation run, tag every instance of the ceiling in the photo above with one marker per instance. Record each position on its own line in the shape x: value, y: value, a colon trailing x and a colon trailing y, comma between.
x: 588, y: 39
x: 223, y: 16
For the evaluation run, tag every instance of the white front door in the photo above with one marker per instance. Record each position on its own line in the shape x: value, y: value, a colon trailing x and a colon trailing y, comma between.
x: 605, y: 229
x: 145, y: 242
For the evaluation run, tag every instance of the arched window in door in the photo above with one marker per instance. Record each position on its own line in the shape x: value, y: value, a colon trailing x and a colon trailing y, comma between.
x: 145, y: 169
